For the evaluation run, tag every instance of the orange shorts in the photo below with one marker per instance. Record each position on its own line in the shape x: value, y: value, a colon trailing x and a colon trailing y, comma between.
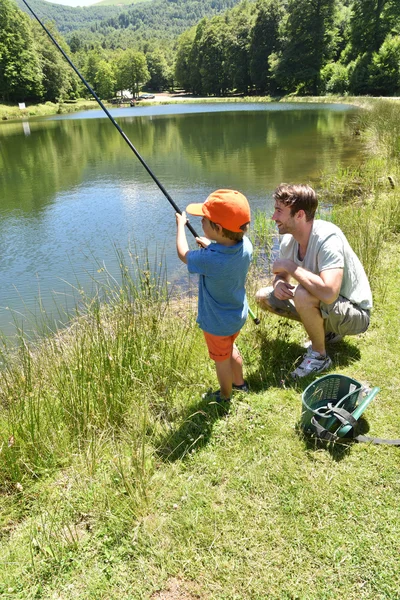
x: 220, y: 346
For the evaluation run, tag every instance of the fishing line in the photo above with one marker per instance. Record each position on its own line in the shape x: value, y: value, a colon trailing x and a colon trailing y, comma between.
x: 125, y: 137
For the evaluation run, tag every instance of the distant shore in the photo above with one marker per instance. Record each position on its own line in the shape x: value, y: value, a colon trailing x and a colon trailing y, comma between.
x: 12, y: 112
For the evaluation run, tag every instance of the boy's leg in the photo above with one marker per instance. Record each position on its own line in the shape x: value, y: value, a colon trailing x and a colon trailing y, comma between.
x: 224, y: 375
x: 237, y: 366
x: 228, y: 361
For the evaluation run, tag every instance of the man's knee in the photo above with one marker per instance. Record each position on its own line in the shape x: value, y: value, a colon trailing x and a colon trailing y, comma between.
x: 303, y: 300
x: 266, y: 300
x: 263, y: 296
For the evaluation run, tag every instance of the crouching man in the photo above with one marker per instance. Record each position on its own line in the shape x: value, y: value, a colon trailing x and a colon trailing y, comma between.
x: 331, y: 296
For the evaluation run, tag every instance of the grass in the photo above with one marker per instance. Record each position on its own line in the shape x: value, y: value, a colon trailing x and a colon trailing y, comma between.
x: 119, y: 481
x: 10, y: 112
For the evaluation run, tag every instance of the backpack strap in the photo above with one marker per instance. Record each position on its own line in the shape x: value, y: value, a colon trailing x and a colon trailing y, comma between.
x: 346, y: 418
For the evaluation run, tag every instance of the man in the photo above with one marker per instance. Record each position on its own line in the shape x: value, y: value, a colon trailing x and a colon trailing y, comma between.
x: 332, y: 297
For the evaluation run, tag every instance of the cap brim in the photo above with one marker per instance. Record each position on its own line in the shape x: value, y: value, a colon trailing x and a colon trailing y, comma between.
x: 195, y: 209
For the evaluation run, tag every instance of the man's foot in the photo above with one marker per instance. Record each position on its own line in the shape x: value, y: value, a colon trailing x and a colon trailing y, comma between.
x: 244, y: 387
x: 215, y: 397
x: 333, y: 338
x: 313, y: 362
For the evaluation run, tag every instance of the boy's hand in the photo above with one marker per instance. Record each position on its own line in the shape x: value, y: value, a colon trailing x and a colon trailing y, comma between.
x: 181, y: 219
x: 203, y: 242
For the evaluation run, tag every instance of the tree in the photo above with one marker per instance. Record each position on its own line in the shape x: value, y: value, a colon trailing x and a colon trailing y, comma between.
x: 308, y: 45
x: 132, y: 71
x: 212, y: 49
x: 371, y: 21
x: 264, y: 41
x: 91, y: 66
x: 385, y: 68
x: 183, y: 64
x: 239, y: 23
x: 160, y: 72
x: 20, y: 71
x: 196, y: 58
x: 335, y: 79
x: 105, y: 80
x: 59, y: 81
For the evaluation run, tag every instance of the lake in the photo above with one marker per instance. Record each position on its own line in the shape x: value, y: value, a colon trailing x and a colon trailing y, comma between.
x: 71, y: 190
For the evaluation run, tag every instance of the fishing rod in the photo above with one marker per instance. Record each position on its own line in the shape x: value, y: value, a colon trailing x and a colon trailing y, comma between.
x: 125, y: 137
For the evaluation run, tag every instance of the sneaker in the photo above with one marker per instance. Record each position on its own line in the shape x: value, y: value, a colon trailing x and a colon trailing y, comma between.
x: 333, y: 338
x: 313, y: 362
x: 215, y: 397
x: 241, y: 388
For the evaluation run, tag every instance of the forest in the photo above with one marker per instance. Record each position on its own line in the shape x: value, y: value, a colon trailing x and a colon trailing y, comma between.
x: 267, y: 47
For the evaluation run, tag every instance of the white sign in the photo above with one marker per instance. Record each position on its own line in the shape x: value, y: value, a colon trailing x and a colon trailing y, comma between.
x: 21, y: 105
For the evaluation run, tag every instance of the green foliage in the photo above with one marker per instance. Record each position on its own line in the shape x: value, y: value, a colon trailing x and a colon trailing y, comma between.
x: 275, y: 47
x: 371, y: 21
x: 159, y: 71
x: 132, y: 71
x: 59, y: 81
x: 308, y: 45
x: 211, y: 49
x: 21, y: 77
x: 264, y: 41
x: 105, y: 79
x: 385, y: 68
x: 184, y: 64
x: 335, y: 79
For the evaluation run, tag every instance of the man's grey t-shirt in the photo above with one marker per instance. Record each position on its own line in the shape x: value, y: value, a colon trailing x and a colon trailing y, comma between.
x: 328, y: 248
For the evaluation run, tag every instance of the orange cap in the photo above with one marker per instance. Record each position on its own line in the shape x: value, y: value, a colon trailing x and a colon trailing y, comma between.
x: 228, y: 208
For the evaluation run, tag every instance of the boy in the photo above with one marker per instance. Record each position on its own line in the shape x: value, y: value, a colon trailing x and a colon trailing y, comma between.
x: 222, y: 267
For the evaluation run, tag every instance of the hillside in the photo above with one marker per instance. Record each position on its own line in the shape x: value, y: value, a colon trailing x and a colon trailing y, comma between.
x: 147, y: 19
x: 68, y: 18
x: 118, y: 2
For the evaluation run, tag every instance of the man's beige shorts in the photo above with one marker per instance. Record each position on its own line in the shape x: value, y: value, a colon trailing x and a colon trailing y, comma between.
x: 340, y: 317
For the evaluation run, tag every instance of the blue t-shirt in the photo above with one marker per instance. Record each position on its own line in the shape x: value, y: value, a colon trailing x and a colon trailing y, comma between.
x: 222, y: 306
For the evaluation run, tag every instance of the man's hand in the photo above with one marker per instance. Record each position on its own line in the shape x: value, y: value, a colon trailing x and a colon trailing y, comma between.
x: 283, y: 290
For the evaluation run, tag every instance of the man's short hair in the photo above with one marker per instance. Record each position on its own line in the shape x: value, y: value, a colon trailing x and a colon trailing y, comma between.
x: 298, y: 197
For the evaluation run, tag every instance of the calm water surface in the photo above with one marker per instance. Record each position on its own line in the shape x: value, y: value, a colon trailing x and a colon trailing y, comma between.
x: 71, y: 190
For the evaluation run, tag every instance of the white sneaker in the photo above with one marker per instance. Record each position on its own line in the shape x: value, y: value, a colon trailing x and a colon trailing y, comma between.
x: 313, y: 362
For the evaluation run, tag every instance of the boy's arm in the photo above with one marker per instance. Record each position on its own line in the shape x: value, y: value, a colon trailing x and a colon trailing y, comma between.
x: 182, y: 246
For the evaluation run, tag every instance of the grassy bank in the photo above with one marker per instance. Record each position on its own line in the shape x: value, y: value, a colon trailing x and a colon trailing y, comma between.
x: 119, y: 481
x: 10, y: 112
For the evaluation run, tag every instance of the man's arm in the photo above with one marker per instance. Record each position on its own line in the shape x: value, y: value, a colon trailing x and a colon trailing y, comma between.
x: 325, y: 286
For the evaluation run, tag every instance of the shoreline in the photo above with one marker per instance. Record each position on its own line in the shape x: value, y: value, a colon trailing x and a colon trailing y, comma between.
x: 14, y: 114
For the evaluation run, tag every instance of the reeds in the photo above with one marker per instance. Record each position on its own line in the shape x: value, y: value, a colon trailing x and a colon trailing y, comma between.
x: 96, y: 389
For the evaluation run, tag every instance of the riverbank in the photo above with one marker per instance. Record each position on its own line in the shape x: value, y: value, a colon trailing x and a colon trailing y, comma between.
x: 119, y: 481
x: 12, y: 112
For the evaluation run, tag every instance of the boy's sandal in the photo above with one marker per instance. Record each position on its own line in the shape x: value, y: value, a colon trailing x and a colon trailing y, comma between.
x: 215, y: 396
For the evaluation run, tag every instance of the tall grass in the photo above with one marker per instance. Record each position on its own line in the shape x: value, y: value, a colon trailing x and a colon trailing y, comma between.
x: 114, y: 370
x: 365, y: 198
